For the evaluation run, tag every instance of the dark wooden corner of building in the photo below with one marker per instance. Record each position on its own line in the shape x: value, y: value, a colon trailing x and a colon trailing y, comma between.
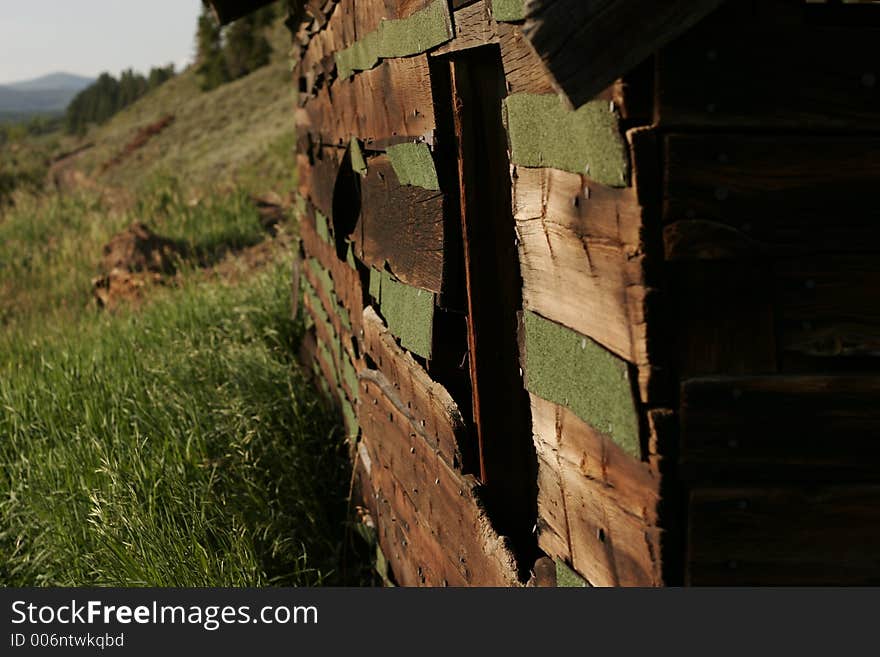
x: 604, y: 39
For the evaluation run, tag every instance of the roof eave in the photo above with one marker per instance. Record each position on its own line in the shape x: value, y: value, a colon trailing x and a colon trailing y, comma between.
x: 588, y: 44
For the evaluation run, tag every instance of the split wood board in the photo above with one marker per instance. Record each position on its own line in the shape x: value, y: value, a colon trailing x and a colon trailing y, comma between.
x: 582, y: 259
x: 428, y: 406
x: 474, y: 28
x: 597, y: 505
x: 434, y: 499
x: 318, y: 171
x: 393, y: 100
x: 400, y: 227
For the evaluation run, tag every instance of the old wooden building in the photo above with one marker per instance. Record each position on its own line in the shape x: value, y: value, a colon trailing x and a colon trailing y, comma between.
x: 595, y: 284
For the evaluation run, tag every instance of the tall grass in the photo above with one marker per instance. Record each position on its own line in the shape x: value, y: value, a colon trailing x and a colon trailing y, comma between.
x: 178, y: 444
x: 49, y: 249
x: 50, y: 246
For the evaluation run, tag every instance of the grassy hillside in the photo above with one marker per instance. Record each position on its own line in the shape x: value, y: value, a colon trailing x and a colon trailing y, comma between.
x: 233, y: 135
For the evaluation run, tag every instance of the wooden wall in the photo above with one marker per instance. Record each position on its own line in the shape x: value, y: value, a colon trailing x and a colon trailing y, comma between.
x: 770, y: 237
x: 635, y: 337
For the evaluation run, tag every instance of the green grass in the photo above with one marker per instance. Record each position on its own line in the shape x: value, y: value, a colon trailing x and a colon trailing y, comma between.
x: 50, y: 246
x: 177, y: 443
x: 49, y: 250
x: 174, y: 445
x: 179, y: 446
x: 24, y: 160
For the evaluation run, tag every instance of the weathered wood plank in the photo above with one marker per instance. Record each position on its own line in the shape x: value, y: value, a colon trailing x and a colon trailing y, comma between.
x: 474, y: 28
x: 419, y: 558
x: 828, y: 309
x: 587, y: 44
x: 317, y: 45
x: 582, y: 260
x: 734, y: 196
x: 724, y: 320
x: 608, y: 500
x: 320, y: 168
x: 429, y: 407
x: 809, y: 428
x: 444, y: 501
x: 553, y: 533
x: 389, y: 101
x: 524, y: 71
x: 401, y: 227
x: 805, y: 536
x: 734, y: 70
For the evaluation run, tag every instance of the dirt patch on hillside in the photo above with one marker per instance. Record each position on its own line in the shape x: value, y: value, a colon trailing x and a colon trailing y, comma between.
x: 140, y: 249
x: 132, y: 261
x: 65, y: 176
x: 138, y: 141
x: 272, y: 209
x: 137, y: 259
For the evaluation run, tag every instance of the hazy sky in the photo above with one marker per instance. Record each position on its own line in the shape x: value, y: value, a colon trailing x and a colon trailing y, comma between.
x: 90, y: 36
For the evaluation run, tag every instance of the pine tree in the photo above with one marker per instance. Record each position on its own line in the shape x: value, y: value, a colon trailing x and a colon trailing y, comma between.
x: 246, y: 48
x: 240, y: 49
x: 211, y: 63
x: 159, y: 76
x: 107, y: 96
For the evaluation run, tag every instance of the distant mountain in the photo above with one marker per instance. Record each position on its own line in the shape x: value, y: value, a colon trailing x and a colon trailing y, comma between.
x: 49, y: 94
x: 52, y: 81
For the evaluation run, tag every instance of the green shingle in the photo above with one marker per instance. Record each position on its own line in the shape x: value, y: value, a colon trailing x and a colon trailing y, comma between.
x: 408, y: 312
x: 567, y: 578
x: 508, y: 10
x: 358, y: 164
x: 543, y: 133
x: 570, y: 369
x: 414, y: 165
x: 402, y: 37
